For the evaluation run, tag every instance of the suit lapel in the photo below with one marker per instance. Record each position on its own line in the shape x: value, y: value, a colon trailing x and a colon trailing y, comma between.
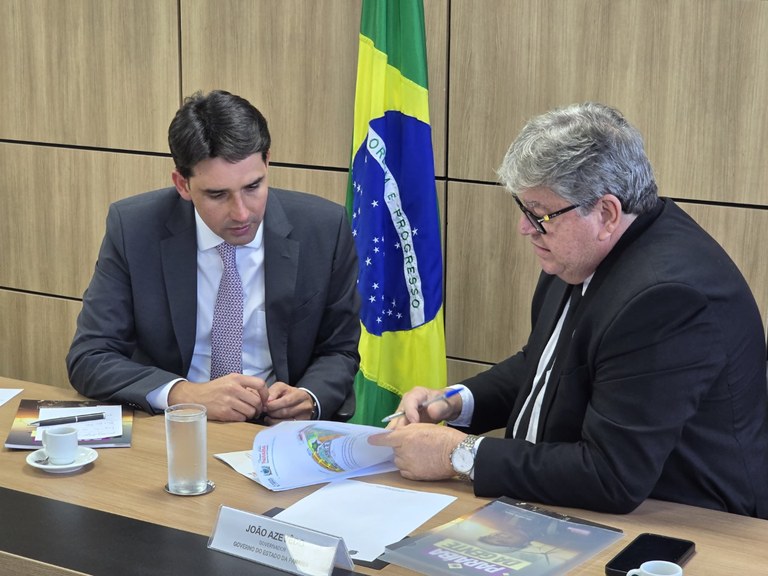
x: 179, y: 261
x: 565, y: 346
x: 552, y: 306
x: 281, y: 268
x: 550, y: 312
x: 562, y: 351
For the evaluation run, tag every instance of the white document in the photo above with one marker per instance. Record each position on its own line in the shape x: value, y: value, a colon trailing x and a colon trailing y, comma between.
x: 366, y: 516
x: 241, y: 461
x: 302, y: 452
x: 108, y: 427
x: 8, y: 393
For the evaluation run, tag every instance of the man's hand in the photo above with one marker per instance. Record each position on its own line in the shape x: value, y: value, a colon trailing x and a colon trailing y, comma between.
x: 231, y: 398
x: 412, y: 400
x: 287, y: 403
x: 422, y: 451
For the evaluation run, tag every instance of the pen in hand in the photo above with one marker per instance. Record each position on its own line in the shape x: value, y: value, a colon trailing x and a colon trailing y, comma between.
x: 68, y: 419
x: 445, y: 396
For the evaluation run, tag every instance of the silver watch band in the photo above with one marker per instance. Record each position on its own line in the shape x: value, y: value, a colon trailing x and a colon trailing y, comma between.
x: 470, y: 444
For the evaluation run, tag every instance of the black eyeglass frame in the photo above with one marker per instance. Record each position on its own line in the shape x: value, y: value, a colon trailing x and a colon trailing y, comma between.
x: 536, y: 221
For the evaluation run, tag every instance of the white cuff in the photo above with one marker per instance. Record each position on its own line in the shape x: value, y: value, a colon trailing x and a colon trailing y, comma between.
x: 158, y: 398
x: 319, y: 408
x: 467, y: 407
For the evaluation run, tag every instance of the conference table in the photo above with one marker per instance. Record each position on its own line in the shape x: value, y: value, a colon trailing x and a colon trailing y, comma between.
x: 114, y: 517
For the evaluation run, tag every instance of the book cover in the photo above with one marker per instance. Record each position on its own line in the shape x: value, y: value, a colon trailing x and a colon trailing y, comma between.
x: 22, y: 435
x: 504, y: 537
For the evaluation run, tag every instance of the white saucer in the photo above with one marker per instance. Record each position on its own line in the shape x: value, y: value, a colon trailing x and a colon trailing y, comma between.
x: 85, y: 456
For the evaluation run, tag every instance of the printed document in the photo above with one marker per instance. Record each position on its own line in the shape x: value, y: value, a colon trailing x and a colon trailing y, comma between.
x: 304, y: 452
x: 109, y: 426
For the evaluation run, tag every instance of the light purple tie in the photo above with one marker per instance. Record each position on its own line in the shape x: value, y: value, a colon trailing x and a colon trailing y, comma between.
x: 227, y: 327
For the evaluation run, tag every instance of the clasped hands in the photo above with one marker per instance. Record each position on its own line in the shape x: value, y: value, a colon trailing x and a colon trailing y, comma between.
x: 423, y: 450
x: 237, y: 398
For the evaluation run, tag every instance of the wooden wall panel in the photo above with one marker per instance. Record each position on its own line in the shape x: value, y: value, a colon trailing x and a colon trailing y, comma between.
x: 459, y: 370
x: 492, y: 273
x: 438, y: 33
x: 692, y: 75
x: 297, y: 61
x: 89, y: 72
x: 54, y: 208
x: 36, y: 332
x: 330, y: 185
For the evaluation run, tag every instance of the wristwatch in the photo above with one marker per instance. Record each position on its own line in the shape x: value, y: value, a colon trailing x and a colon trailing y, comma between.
x: 463, y: 457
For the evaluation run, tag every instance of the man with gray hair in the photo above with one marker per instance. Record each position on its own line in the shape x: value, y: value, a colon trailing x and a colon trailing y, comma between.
x: 644, y: 372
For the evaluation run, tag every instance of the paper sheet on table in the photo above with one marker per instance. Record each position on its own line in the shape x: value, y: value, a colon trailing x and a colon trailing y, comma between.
x: 242, y: 462
x: 367, y: 516
x: 8, y: 393
x: 109, y: 427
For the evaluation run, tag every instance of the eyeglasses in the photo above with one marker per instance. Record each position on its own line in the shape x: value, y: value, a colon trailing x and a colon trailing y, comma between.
x: 536, y: 221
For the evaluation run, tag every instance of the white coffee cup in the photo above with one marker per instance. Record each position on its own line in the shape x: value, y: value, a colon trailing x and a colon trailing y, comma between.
x: 60, y: 444
x: 657, y: 568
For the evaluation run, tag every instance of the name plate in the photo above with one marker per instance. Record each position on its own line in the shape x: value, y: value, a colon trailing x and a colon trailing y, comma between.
x: 278, y: 544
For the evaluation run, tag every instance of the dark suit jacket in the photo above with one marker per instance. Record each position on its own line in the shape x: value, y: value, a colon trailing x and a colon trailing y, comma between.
x: 136, y: 330
x: 660, y: 393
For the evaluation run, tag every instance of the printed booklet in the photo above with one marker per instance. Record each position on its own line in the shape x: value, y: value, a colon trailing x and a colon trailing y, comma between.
x: 113, y: 431
x: 299, y: 453
x: 503, y: 537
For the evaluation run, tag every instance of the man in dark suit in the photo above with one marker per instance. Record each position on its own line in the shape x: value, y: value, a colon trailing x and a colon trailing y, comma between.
x: 145, y: 333
x: 652, y: 385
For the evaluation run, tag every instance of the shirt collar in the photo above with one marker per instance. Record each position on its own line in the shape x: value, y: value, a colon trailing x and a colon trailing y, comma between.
x: 207, y: 239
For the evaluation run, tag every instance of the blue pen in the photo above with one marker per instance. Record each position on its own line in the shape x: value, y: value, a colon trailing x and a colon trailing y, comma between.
x: 448, y: 394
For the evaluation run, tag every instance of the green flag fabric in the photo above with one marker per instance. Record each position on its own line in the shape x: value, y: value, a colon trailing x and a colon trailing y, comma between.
x: 392, y: 205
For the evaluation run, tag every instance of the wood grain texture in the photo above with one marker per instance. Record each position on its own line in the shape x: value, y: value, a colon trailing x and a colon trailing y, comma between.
x: 459, y: 370
x: 692, y: 75
x: 726, y: 543
x: 36, y: 332
x: 53, y: 229
x: 331, y: 185
x: 297, y: 62
x: 492, y: 273
x: 12, y: 564
x: 89, y: 72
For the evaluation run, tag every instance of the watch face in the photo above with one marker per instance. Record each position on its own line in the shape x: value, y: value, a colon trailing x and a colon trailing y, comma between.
x: 462, y: 460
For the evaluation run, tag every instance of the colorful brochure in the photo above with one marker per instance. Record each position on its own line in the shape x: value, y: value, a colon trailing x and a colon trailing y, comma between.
x: 301, y: 453
x: 25, y: 437
x: 504, y: 537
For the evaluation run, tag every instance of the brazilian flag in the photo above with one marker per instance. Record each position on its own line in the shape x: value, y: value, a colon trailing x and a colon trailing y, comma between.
x: 392, y: 205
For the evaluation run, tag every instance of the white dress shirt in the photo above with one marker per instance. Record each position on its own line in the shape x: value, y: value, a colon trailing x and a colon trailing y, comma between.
x: 257, y: 360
